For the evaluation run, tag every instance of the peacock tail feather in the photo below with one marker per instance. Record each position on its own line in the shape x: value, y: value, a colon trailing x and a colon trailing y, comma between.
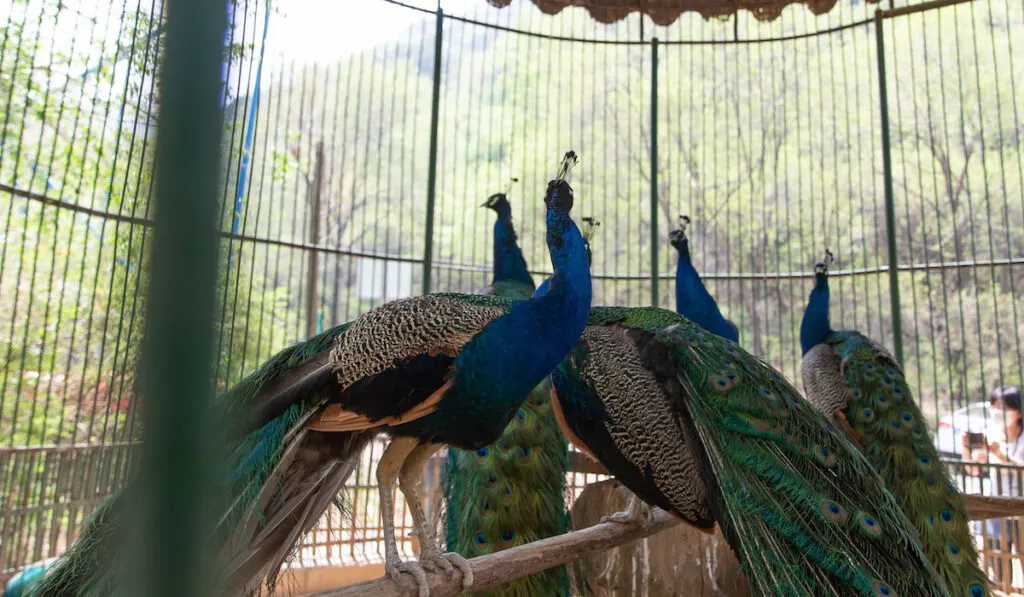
x: 85, y: 568
x: 850, y: 374
x: 802, y: 508
x: 511, y: 493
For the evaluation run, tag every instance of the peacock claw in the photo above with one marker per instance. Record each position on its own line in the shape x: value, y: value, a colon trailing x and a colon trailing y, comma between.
x: 636, y: 513
x: 463, y: 565
x: 394, y: 570
x: 437, y: 563
x: 448, y: 562
x: 625, y: 517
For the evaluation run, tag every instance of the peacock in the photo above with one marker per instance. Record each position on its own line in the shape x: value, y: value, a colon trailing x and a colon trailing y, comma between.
x: 693, y: 424
x: 693, y: 300
x: 511, y: 276
x: 511, y: 492
x: 426, y: 371
x: 860, y: 387
x: 19, y: 584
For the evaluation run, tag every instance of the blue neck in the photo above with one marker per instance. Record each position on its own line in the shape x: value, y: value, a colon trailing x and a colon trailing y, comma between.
x: 571, y: 280
x: 509, y: 264
x: 693, y: 300
x: 815, y: 326
x: 506, y: 360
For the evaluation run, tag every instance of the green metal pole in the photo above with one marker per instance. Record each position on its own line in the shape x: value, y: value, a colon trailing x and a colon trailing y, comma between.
x: 170, y: 546
x: 890, y: 208
x: 435, y: 108
x: 654, y: 172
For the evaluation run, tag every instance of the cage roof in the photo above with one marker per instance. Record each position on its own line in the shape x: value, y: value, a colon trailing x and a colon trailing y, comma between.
x: 665, y: 12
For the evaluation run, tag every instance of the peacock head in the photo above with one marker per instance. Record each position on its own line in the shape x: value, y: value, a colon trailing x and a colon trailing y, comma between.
x: 821, y: 268
x: 678, y: 237
x: 497, y: 202
x: 559, y: 195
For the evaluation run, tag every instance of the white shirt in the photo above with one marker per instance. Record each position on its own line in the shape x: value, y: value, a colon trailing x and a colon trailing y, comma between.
x: 1003, y: 478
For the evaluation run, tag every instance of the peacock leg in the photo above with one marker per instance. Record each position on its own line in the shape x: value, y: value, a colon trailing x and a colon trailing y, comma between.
x: 636, y: 512
x: 411, y: 481
x: 387, y: 472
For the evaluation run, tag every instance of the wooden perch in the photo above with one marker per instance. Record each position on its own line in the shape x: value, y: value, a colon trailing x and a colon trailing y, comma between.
x: 981, y: 507
x: 504, y: 566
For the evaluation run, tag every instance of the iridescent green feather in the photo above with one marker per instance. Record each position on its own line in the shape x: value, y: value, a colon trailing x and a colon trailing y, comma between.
x: 512, y: 289
x: 803, y: 509
x: 898, y: 443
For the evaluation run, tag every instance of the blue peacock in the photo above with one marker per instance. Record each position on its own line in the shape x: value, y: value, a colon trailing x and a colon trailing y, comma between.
x: 857, y: 383
x: 693, y: 301
x: 511, y: 492
x: 511, y: 277
x: 691, y: 423
x: 427, y: 371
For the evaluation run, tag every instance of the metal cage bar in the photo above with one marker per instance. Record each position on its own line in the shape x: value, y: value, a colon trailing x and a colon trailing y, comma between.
x: 767, y: 134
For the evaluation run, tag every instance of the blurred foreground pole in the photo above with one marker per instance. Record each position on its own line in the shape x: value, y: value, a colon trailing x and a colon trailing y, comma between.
x: 179, y: 452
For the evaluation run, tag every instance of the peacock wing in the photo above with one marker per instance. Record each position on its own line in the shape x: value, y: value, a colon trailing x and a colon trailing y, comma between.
x: 866, y: 387
x: 804, y: 511
x: 394, y: 363
x: 610, y: 406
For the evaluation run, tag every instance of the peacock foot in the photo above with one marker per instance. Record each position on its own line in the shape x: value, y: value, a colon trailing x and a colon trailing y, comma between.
x: 435, y: 561
x: 636, y: 513
x: 446, y: 561
x: 395, y: 567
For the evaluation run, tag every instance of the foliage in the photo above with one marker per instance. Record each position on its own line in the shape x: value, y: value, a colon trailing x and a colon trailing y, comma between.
x: 78, y: 128
x: 773, y: 148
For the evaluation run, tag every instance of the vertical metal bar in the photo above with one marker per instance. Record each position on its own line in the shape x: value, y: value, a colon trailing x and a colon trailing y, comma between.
x: 890, y: 209
x: 315, y: 191
x: 654, y: 172
x: 435, y: 107
x: 176, y: 369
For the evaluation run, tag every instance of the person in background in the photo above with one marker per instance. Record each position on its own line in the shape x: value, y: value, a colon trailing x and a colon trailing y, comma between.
x: 1005, y: 447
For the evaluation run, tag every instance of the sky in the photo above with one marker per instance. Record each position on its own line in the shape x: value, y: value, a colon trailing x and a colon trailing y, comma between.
x: 311, y: 31
x: 300, y: 31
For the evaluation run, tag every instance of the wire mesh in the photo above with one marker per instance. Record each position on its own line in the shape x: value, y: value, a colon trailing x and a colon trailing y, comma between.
x: 768, y: 136
x: 74, y: 157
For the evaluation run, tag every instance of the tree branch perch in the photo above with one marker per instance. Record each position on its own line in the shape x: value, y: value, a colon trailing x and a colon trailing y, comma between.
x: 504, y: 566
